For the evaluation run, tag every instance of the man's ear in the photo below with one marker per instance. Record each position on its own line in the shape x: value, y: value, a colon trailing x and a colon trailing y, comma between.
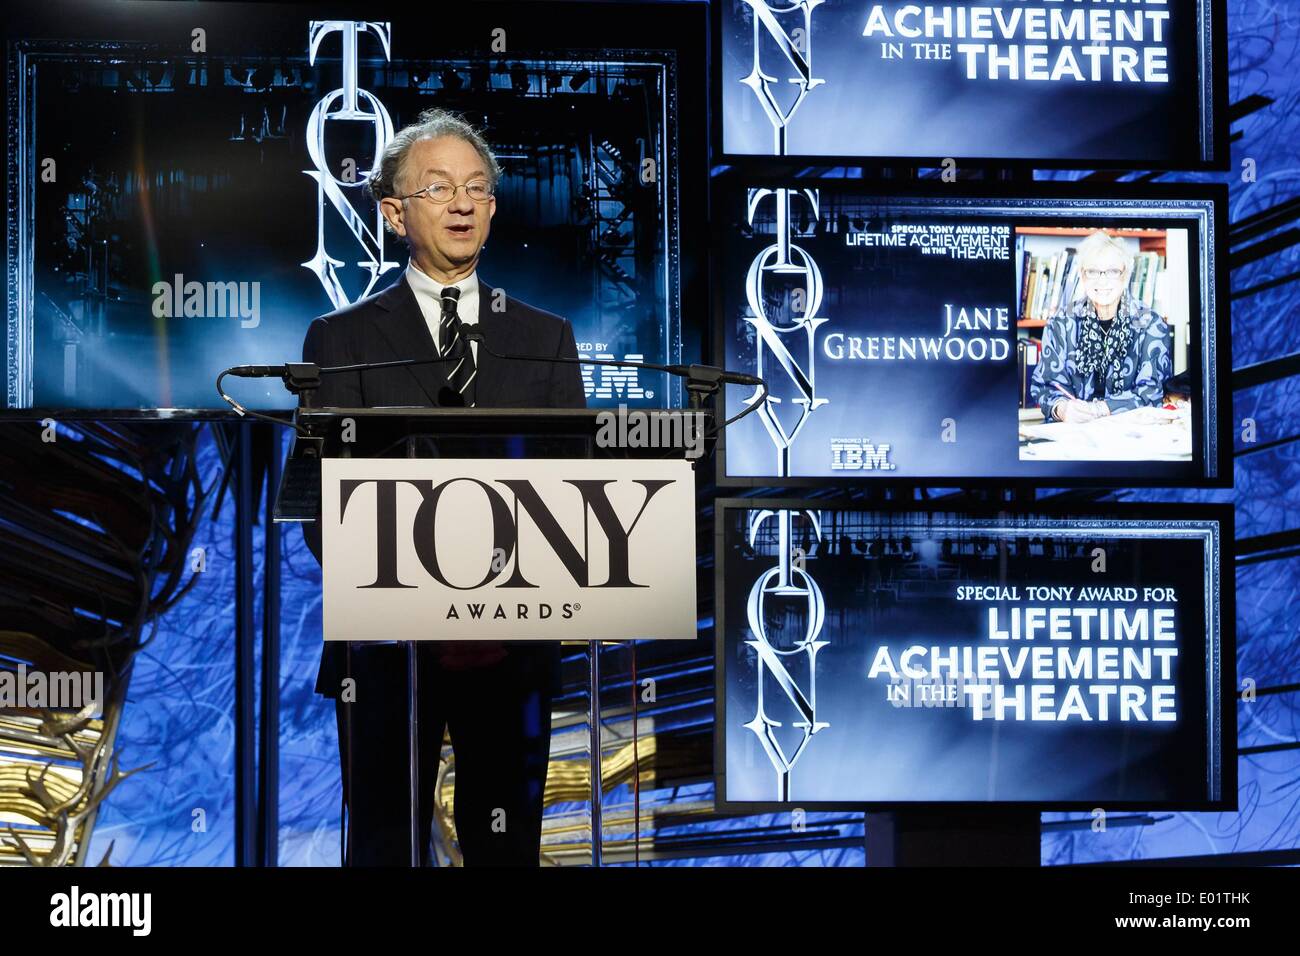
x: 492, y: 206
x: 393, y: 213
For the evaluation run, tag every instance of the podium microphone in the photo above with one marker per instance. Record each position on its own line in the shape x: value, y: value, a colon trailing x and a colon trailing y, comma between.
x: 300, y: 377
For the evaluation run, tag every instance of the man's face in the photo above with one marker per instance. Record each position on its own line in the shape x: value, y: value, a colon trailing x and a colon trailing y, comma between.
x: 1105, y: 277
x: 445, y: 238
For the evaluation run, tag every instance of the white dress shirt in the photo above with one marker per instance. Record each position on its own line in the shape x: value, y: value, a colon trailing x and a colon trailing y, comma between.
x: 428, y: 293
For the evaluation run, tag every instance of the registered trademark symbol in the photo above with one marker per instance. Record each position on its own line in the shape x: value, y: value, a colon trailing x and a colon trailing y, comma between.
x: 577, y: 607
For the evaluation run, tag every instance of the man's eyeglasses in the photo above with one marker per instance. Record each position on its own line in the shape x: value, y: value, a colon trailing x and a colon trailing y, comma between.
x: 444, y: 192
x: 1103, y: 273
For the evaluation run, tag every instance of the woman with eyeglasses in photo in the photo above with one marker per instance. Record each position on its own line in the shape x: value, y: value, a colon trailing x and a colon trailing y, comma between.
x: 1105, y: 352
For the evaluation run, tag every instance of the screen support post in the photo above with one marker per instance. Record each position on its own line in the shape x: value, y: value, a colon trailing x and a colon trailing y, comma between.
x: 593, y: 725
x: 413, y: 729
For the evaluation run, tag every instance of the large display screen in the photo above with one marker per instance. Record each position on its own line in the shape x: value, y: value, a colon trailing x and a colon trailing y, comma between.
x: 1020, y: 333
x: 190, y: 185
x: 1068, y: 660
x: 1082, y: 83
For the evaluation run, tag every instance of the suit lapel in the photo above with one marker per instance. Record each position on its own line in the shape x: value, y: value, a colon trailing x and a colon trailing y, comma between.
x: 494, y: 326
x: 400, y: 323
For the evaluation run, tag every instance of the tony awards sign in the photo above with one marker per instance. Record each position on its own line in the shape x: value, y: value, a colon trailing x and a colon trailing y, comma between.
x: 508, y: 549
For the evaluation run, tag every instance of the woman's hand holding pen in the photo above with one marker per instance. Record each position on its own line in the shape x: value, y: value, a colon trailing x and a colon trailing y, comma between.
x: 1076, y: 410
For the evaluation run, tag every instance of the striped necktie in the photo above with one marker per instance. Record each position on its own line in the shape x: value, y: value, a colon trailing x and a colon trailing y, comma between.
x: 463, y: 370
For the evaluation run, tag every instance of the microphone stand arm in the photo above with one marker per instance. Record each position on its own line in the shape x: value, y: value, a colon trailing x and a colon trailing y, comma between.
x: 302, y: 379
x: 702, y: 382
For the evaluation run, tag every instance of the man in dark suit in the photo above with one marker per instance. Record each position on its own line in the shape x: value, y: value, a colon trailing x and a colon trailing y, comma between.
x: 435, y: 184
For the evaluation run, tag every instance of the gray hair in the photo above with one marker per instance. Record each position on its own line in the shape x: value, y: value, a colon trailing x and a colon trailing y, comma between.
x: 1100, y: 242
x: 432, y: 124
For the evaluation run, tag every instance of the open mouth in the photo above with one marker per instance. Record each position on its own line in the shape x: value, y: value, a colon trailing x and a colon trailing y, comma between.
x: 461, y: 229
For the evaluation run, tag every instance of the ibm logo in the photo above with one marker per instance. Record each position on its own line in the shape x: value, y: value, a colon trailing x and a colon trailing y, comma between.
x: 858, y: 454
x: 609, y: 381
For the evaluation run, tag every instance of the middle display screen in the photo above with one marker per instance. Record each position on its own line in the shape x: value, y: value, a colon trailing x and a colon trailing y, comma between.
x: 999, y: 332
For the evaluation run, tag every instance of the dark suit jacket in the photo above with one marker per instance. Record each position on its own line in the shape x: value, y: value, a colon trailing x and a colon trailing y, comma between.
x: 389, y: 325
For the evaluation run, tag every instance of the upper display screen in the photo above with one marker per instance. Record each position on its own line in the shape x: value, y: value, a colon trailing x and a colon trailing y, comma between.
x: 192, y: 211
x: 1055, y: 83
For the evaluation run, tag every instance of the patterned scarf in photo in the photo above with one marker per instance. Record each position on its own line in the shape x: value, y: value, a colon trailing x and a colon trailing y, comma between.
x: 1104, y: 350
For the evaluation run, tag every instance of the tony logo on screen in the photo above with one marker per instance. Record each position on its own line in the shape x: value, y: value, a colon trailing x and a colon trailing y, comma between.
x: 785, y: 592
x: 435, y: 183
x: 353, y: 106
x: 785, y: 321
x: 795, y: 46
x: 784, y: 291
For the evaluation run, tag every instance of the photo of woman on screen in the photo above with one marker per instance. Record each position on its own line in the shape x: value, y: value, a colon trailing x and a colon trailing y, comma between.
x: 1106, y: 352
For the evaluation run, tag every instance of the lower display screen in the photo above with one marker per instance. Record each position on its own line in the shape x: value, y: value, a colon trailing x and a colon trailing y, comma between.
x: 924, y: 656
